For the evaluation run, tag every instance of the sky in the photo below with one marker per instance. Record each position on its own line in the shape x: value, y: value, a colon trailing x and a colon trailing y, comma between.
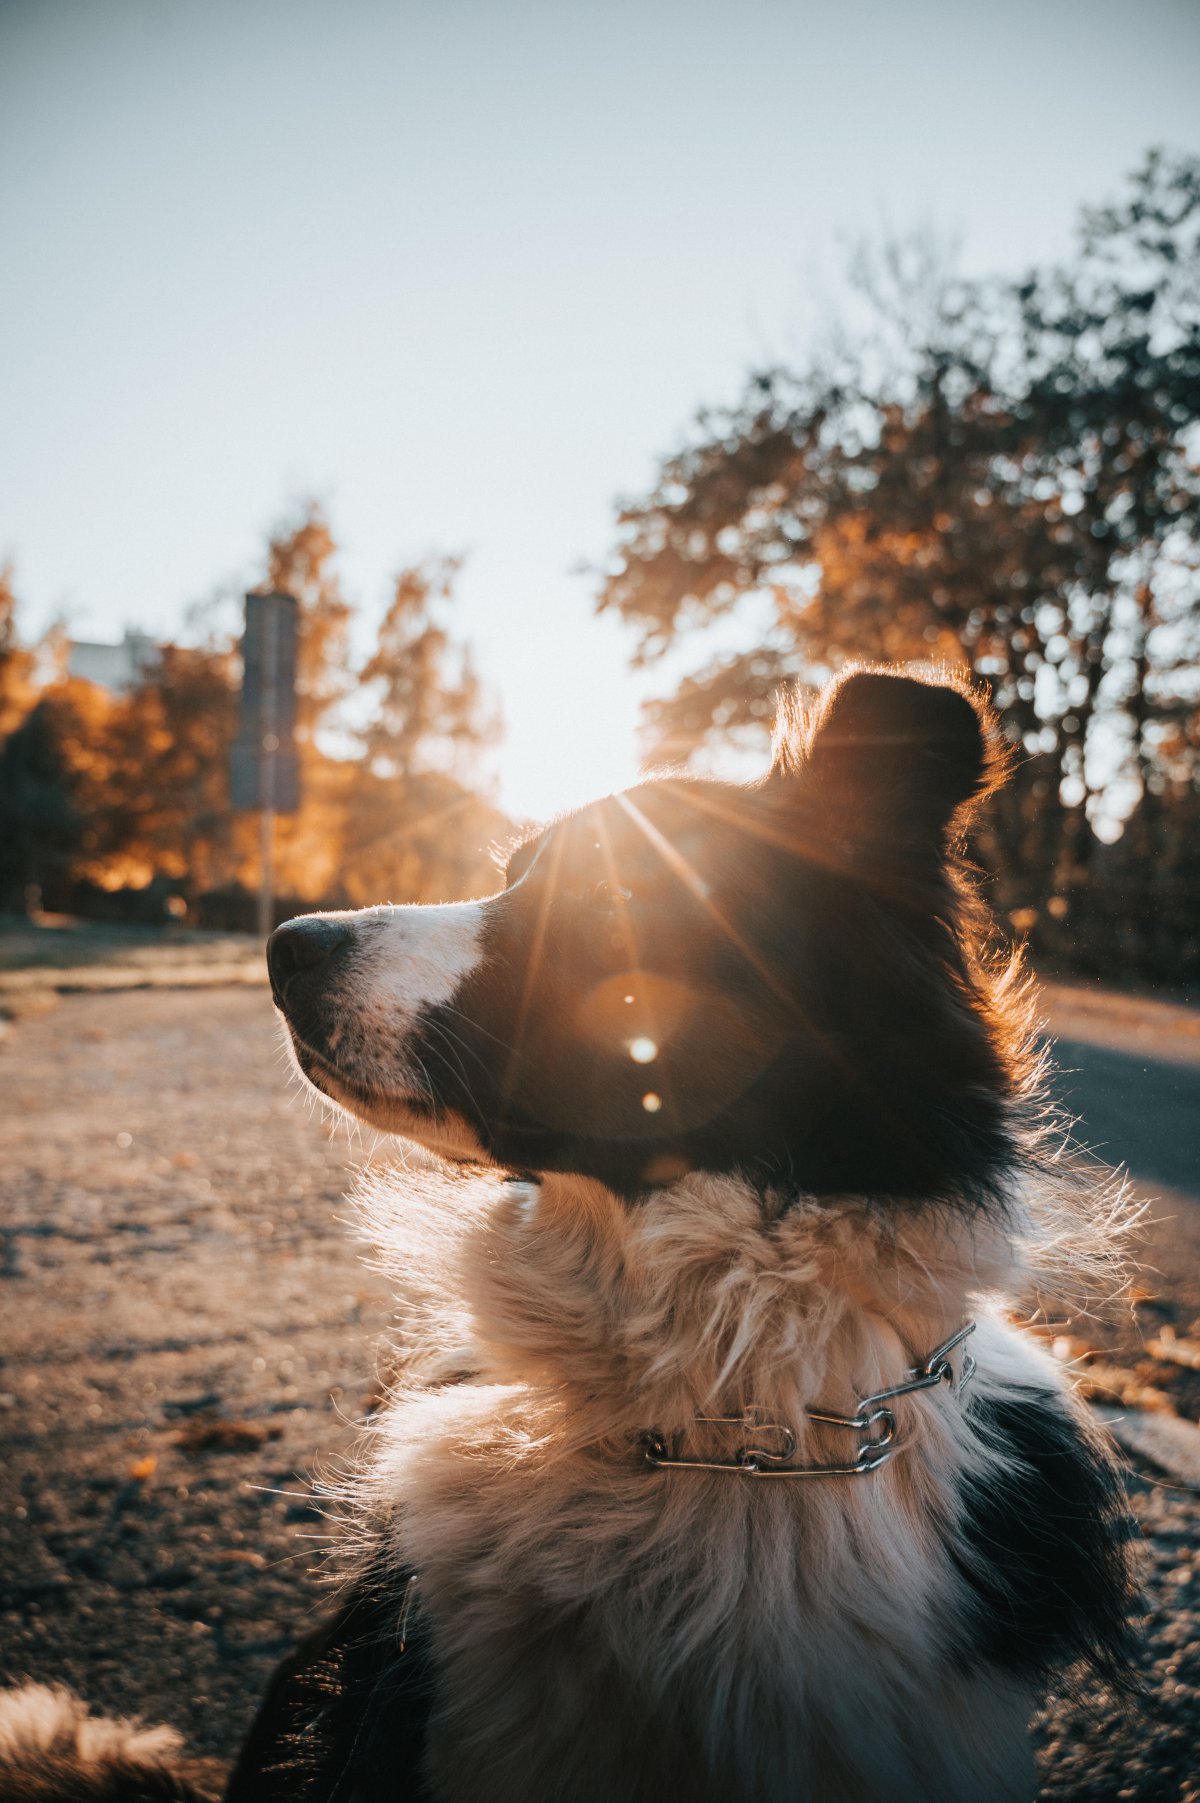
x: 466, y: 269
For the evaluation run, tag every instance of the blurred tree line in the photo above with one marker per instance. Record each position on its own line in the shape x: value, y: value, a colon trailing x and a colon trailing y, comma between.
x: 1002, y: 476
x: 118, y: 803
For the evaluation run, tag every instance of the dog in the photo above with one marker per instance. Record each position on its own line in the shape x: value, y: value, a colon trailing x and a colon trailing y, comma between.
x: 714, y: 1467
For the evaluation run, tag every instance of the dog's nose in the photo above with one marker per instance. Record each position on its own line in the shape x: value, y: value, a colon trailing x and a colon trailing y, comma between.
x: 300, y: 945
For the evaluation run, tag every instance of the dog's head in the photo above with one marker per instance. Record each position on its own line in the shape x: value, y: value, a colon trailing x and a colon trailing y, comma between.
x: 694, y: 975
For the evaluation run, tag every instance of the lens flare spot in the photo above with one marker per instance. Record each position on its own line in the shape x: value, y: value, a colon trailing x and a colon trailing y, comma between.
x: 651, y: 1103
x: 643, y: 1051
x: 628, y: 999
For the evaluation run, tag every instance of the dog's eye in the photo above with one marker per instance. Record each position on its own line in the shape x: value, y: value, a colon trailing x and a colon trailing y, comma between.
x: 604, y: 897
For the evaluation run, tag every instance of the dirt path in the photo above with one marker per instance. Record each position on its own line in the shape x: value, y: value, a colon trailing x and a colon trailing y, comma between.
x: 173, y: 1264
x: 188, y: 1328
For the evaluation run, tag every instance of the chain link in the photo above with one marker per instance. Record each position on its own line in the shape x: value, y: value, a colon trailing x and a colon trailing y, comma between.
x: 873, y: 1450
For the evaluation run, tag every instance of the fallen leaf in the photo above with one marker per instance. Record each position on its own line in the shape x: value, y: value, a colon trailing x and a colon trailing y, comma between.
x: 1103, y: 1382
x: 144, y: 1469
x: 217, y: 1433
x: 1175, y: 1351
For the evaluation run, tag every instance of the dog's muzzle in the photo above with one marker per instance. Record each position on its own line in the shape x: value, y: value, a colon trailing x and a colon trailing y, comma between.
x: 301, y: 945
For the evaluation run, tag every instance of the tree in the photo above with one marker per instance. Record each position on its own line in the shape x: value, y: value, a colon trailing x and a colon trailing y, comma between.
x: 415, y: 826
x: 164, y: 808
x: 51, y: 785
x: 1012, y: 486
x: 17, y: 689
x: 301, y: 562
x: 429, y: 709
x: 402, y: 823
x: 1110, y: 354
x: 424, y: 837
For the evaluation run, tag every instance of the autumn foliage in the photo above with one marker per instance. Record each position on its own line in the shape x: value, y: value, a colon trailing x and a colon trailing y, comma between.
x: 1003, y: 478
x: 127, y: 795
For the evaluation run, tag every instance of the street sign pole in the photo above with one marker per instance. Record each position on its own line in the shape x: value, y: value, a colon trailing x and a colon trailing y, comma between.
x: 266, y: 884
x: 270, y: 751
x: 264, y: 774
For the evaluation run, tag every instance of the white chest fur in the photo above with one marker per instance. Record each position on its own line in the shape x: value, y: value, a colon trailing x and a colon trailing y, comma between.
x: 606, y: 1630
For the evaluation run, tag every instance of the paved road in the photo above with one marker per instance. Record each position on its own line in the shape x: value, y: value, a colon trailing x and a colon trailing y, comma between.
x: 1135, y: 1083
x: 1137, y: 1111
x: 1130, y: 1070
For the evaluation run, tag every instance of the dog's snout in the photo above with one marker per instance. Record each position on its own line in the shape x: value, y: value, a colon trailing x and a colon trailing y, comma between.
x: 302, y: 944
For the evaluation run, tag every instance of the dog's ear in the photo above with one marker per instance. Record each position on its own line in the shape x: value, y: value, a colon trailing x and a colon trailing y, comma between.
x: 889, y: 758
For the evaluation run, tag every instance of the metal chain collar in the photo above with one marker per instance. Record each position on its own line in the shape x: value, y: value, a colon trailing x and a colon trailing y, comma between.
x: 873, y: 1450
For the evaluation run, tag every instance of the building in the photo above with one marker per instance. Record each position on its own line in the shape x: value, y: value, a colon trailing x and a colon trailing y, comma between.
x: 117, y: 667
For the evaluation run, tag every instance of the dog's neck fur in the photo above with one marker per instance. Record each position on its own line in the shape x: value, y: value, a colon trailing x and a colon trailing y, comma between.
x: 708, y: 1601
x: 709, y: 1296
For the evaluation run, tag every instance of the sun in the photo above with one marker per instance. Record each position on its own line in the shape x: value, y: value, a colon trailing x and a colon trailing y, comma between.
x: 567, y: 742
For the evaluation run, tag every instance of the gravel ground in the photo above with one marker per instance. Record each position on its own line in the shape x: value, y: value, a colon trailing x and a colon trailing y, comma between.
x: 189, y: 1330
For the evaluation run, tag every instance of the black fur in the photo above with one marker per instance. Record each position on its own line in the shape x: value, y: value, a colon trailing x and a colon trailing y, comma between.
x: 798, y: 951
x: 344, y: 1718
x: 1045, y: 1543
